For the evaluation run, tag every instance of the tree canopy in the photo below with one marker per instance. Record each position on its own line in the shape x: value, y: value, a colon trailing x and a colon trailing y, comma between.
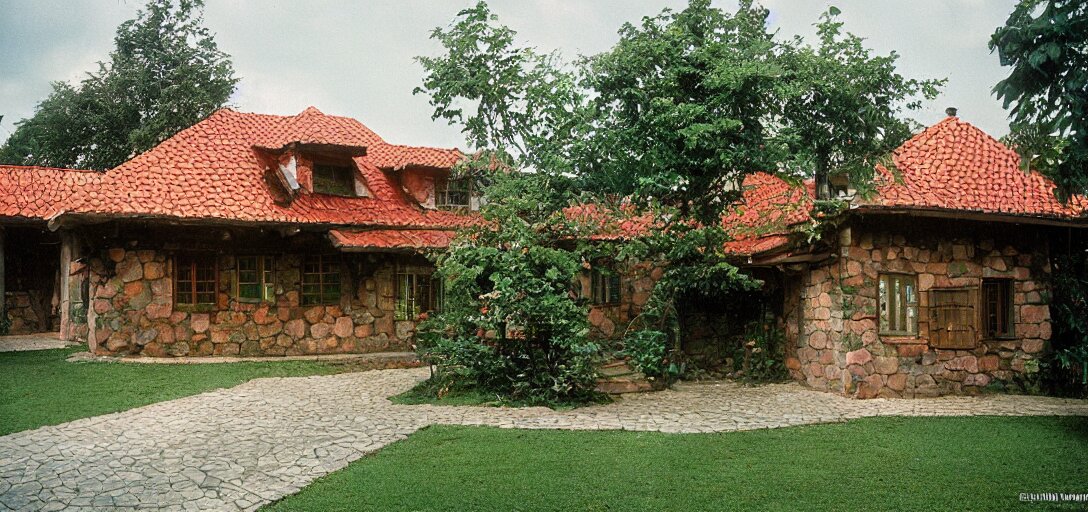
x: 682, y: 107
x: 1045, y: 43
x: 165, y: 74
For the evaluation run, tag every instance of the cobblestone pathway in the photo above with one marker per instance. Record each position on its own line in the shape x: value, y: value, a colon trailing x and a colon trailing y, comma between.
x: 242, y: 447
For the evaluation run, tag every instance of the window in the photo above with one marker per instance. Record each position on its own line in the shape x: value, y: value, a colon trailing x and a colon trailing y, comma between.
x: 997, y: 298
x: 417, y: 293
x: 321, y: 280
x: 952, y: 321
x: 255, y: 278
x: 604, y: 288
x: 452, y: 193
x: 898, y: 304
x: 195, y: 279
x: 334, y: 179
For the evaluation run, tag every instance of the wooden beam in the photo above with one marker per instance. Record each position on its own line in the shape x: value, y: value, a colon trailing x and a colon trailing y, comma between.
x: 66, y: 249
x: 3, y: 277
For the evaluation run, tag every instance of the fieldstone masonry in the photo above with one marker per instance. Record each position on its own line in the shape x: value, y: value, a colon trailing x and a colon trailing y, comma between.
x: 133, y: 311
x: 833, y: 313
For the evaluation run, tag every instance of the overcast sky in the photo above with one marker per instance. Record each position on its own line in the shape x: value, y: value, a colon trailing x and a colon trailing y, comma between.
x: 355, y: 57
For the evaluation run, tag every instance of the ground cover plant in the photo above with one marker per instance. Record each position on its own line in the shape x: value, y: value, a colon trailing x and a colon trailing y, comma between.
x: 978, y: 463
x: 40, y: 387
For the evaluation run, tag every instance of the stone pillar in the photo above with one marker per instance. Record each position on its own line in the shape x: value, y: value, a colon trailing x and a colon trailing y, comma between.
x: 65, y: 291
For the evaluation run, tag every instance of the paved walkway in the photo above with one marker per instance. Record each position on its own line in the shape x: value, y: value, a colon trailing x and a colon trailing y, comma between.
x: 38, y: 341
x: 242, y: 447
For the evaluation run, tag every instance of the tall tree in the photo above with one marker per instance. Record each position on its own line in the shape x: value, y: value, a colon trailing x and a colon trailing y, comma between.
x: 842, y: 108
x: 165, y: 74
x: 1045, y: 42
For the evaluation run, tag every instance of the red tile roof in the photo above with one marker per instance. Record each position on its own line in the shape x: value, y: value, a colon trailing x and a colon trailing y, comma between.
x: 39, y: 193
x: 953, y: 165
x: 769, y: 211
x: 605, y: 223
x: 391, y: 239
x: 212, y: 171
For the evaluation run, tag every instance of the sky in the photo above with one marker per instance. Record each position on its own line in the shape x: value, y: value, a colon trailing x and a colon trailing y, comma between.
x: 356, y: 57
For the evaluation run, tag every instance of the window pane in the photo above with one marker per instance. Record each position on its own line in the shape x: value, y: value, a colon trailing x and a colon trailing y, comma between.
x: 334, y: 180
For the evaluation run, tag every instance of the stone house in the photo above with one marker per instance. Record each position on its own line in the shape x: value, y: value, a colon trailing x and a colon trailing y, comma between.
x: 276, y: 235
x: 936, y: 282
x: 243, y: 234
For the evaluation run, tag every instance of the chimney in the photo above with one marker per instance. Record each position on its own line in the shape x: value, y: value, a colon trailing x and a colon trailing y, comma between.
x: 951, y: 111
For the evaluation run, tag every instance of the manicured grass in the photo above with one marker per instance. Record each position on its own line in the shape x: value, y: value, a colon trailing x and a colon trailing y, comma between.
x: 980, y: 463
x: 41, y: 388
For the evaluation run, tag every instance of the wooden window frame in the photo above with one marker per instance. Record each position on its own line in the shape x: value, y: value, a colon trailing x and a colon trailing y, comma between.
x: 408, y: 284
x: 323, y: 297
x: 189, y: 297
x: 442, y: 193
x: 903, y: 304
x: 604, y: 288
x: 1008, y: 295
x: 940, y: 337
x: 348, y: 179
x: 266, y: 276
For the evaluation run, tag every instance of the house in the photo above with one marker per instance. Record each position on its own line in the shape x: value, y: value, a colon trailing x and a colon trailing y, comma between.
x: 935, y: 283
x: 244, y: 234
x: 275, y: 235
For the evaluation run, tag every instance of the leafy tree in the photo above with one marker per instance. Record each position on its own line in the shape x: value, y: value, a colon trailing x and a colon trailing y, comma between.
x: 680, y: 107
x: 165, y: 74
x: 842, y: 108
x: 1045, y: 42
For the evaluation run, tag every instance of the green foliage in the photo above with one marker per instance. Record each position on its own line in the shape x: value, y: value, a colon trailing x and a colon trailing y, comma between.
x: 1065, y: 372
x: 842, y: 107
x: 165, y: 74
x: 508, y: 99
x: 511, y: 323
x: 680, y: 106
x: 762, y: 357
x: 680, y: 110
x: 1045, y: 43
x: 649, y: 350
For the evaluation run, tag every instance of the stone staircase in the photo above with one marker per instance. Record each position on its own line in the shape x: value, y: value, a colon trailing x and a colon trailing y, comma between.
x: 617, y: 377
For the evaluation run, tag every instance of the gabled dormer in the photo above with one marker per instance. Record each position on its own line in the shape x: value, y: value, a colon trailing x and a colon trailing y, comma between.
x: 325, y: 169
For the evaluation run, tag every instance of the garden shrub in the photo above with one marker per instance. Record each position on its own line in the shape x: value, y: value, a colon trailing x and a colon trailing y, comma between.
x: 511, y: 323
x: 648, y: 351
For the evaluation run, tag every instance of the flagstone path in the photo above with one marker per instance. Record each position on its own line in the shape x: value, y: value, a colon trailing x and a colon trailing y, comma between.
x: 240, y: 448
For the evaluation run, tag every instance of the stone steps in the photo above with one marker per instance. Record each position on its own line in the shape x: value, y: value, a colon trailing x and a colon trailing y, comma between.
x: 617, y: 377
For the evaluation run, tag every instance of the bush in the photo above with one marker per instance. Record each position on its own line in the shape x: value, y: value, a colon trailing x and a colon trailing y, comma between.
x: 648, y: 350
x: 761, y: 357
x: 511, y: 324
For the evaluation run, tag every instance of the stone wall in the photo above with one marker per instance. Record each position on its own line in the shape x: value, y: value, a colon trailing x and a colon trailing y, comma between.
x: 133, y: 312
x: 834, y: 309
x: 21, y: 314
x: 611, y: 321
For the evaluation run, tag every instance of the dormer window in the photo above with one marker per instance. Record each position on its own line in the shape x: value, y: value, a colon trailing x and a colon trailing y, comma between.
x: 452, y: 193
x: 334, y: 179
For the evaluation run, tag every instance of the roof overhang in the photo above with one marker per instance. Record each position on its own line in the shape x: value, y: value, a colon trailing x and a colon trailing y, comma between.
x: 391, y: 239
x: 982, y: 216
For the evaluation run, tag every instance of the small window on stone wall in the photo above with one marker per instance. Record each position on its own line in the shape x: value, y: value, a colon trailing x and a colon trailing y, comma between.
x: 417, y: 293
x: 997, y: 299
x: 195, y: 279
x: 321, y: 280
x: 898, y: 304
x: 604, y: 288
x: 255, y: 278
x: 952, y: 318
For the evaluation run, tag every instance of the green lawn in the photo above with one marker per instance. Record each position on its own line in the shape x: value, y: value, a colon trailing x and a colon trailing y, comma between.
x: 978, y: 463
x: 41, y: 388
